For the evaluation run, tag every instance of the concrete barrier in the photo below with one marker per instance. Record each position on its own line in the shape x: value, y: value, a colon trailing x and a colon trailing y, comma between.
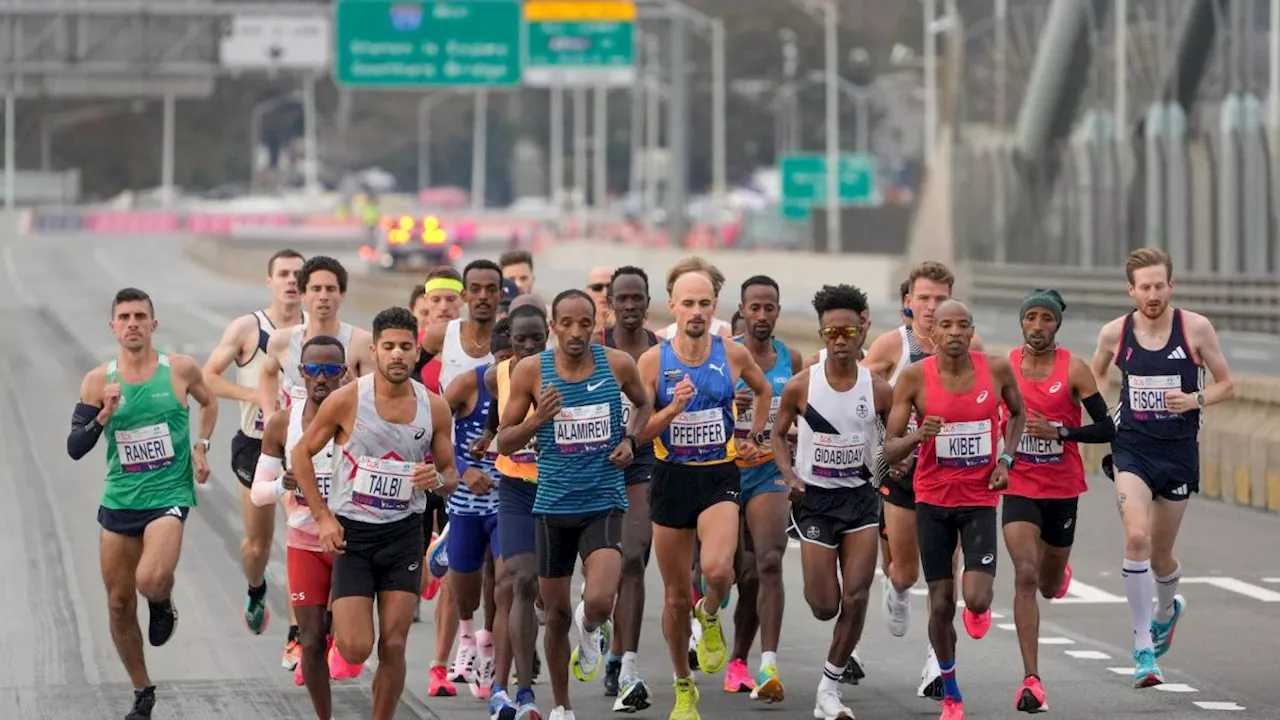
x: 1240, y: 440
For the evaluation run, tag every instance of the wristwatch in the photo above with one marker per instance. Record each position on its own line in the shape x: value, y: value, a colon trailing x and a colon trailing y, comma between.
x: 1007, y: 458
x: 1200, y: 399
x: 1062, y: 433
x: 759, y: 439
x: 634, y: 445
x: 204, y: 444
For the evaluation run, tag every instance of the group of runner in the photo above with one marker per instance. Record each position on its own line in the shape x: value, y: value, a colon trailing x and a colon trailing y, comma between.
x: 496, y: 450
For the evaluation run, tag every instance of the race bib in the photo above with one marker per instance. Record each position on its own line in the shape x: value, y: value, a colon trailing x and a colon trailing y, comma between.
x: 1036, y: 451
x: 627, y: 407
x: 258, y: 423
x: 323, y: 465
x: 747, y: 418
x: 1146, y: 396
x: 839, y: 457
x: 383, y: 484
x: 694, y: 432
x: 964, y: 444
x: 583, y: 429
x: 913, y: 424
x: 145, y: 449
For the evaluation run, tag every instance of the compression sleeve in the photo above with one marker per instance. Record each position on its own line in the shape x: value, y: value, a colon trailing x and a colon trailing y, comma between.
x: 85, y: 430
x: 491, y: 423
x: 1103, y: 429
x: 267, y: 487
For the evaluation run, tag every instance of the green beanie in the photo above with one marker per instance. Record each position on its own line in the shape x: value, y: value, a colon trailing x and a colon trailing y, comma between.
x: 1049, y: 299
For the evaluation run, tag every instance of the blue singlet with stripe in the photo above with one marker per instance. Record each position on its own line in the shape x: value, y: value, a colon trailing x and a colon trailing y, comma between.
x: 465, y: 431
x: 703, y: 433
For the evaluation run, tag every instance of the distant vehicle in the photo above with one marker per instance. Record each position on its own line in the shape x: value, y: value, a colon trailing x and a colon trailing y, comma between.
x: 406, y: 242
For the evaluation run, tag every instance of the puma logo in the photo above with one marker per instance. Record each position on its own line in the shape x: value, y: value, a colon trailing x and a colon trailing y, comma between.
x: 717, y: 368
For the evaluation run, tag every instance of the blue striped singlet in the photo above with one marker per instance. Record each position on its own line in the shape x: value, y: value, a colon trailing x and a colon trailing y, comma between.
x: 465, y: 432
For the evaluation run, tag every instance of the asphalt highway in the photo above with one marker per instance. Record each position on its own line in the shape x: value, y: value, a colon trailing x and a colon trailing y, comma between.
x: 58, y: 660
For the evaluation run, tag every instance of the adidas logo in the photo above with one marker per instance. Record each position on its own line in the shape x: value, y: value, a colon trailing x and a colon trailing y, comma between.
x: 1177, y: 354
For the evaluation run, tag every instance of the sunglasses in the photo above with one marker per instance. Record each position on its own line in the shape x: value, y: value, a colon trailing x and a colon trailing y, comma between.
x: 597, y: 287
x: 326, y: 369
x: 848, y: 332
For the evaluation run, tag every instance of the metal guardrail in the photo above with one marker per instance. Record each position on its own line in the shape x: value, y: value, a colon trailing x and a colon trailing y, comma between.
x: 1243, y: 303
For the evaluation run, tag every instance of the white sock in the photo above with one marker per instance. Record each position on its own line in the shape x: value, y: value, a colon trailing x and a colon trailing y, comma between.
x: 768, y: 658
x: 1139, y: 587
x: 1166, y: 589
x: 830, y: 676
x: 629, y: 671
x: 467, y: 632
x: 900, y: 596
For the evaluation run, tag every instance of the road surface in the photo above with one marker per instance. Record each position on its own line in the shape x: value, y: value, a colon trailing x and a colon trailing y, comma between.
x: 58, y: 660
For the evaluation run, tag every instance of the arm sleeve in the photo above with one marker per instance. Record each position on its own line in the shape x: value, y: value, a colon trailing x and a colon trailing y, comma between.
x: 85, y: 431
x: 1103, y: 430
x: 491, y: 424
x: 266, y: 481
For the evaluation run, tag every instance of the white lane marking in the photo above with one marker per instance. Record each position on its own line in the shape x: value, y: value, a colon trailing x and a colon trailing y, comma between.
x: 996, y: 616
x: 1088, y: 654
x: 1081, y: 593
x: 1007, y: 626
x: 1271, y: 580
x: 1176, y: 688
x: 1056, y: 641
x: 1217, y: 705
x: 1121, y: 671
x: 1236, y: 586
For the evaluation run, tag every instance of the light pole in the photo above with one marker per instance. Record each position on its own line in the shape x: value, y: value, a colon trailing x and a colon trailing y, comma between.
x: 425, y: 105
x: 51, y: 124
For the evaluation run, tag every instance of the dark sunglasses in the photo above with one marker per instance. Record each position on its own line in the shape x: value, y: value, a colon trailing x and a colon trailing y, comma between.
x: 327, y: 369
x: 597, y: 287
x: 845, y: 331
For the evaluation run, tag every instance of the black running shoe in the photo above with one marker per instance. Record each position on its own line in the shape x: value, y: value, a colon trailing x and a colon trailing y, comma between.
x: 612, y: 668
x: 143, y: 701
x: 853, y: 670
x: 164, y: 621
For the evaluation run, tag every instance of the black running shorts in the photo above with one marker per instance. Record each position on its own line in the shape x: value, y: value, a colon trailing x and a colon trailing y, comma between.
x: 562, y: 539
x: 133, y: 523
x: 244, y: 457
x: 938, y: 529
x: 824, y: 516
x: 678, y: 494
x: 379, y: 558
x: 1055, y: 518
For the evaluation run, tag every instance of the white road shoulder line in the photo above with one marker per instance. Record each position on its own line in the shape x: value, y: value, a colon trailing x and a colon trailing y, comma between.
x: 1236, y: 586
x: 1088, y: 654
x: 1217, y: 705
x: 1176, y: 688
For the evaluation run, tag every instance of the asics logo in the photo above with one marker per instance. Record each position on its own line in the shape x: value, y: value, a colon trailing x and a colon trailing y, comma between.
x: 592, y: 387
x: 413, y: 567
x: 417, y: 435
x: 1055, y: 387
x: 982, y: 397
x: 988, y: 559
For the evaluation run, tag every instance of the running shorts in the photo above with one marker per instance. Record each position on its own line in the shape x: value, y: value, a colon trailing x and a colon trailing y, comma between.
x: 938, y: 529
x: 823, y: 516
x: 515, y: 517
x: 562, y: 539
x: 761, y: 479
x: 310, y: 576
x: 379, y: 558
x: 1055, y: 518
x: 471, y: 539
x: 133, y: 523
x: 244, y: 457
x: 678, y: 494
x: 1170, y: 469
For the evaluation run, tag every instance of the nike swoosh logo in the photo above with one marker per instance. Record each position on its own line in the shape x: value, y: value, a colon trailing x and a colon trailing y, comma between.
x: 592, y: 388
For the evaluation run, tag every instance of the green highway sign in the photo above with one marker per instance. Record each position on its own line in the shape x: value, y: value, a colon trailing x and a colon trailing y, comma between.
x: 429, y: 43
x: 579, y: 43
x: 804, y: 182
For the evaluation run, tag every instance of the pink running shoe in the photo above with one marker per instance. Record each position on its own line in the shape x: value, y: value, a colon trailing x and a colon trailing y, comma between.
x: 1066, y: 583
x: 340, y: 669
x: 976, y: 624
x: 1031, y: 697
x: 737, y: 678
x: 952, y: 709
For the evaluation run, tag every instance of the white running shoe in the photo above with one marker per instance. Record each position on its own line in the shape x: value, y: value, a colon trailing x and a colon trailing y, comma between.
x: 828, y: 706
x: 464, y: 664
x: 897, y: 613
x: 930, y: 678
x: 560, y: 714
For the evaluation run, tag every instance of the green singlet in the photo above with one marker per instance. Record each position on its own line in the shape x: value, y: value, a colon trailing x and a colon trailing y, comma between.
x: 148, y: 445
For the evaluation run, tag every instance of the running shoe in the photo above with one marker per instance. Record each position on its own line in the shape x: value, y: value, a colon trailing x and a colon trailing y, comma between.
x: 292, y: 654
x: 612, y: 669
x: 526, y: 708
x: 768, y: 686
x: 1031, y: 697
x: 1162, y: 633
x: 737, y: 679
x: 686, y: 707
x: 464, y: 662
x: 712, y: 653
x: 585, y: 660
x: 339, y: 668
x: 486, y: 665
x: 695, y: 637
x: 440, y: 685
x: 952, y: 709
x: 930, y: 678
x: 163, y: 622
x: 828, y: 706
x: 143, y: 701
x: 561, y: 714
x: 1145, y: 671
x: 854, y: 669
x: 897, y: 614
x: 438, y: 554
x: 632, y: 697
x: 977, y: 624
x: 1066, y: 583
x: 297, y: 674
x: 256, y: 613
x: 501, y: 707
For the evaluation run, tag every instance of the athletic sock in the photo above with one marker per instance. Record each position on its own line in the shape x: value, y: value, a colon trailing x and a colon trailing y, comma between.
x: 950, y: 688
x: 524, y: 696
x: 467, y: 632
x: 769, y: 658
x: 1166, y: 589
x: 611, y: 658
x: 1138, y: 587
x: 630, y: 668
x: 256, y: 593
x: 830, y: 677
x: 293, y: 633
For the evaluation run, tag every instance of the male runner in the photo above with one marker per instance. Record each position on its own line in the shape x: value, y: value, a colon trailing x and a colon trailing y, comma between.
x: 473, y: 512
x: 393, y: 441
x: 517, y: 569
x: 629, y: 302
x: 245, y: 343
x: 597, y: 287
x: 696, y: 264
x: 324, y: 285
x: 839, y: 408
x: 324, y: 369
x: 438, y: 299
x: 958, y: 477
x: 928, y: 286
x: 694, y: 493
x: 1162, y: 352
x: 140, y: 400
x: 766, y: 507
x: 1047, y: 478
x: 581, y: 496
x: 517, y: 265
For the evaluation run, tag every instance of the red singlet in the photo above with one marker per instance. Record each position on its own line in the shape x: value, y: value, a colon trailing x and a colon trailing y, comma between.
x: 1048, y: 469
x: 954, y: 468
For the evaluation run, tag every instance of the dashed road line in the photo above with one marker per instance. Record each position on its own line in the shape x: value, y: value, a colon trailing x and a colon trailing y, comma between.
x: 1088, y: 654
x: 1236, y: 586
x: 1011, y: 627
x: 1217, y: 705
x: 1057, y: 641
x: 1176, y: 688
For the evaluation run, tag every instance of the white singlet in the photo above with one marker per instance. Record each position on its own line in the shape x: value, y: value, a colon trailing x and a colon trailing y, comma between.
x: 372, y: 479
x: 455, y: 361
x: 842, y: 451
x: 293, y: 386
x: 249, y: 374
x: 303, y: 532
